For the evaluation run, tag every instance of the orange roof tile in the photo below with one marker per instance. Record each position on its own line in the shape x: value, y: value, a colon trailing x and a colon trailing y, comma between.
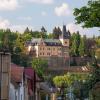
x: 16, y: 72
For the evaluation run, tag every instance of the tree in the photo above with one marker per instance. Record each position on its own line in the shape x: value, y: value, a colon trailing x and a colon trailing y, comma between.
x: 63, y: 82
x: 98, y: 42
x: 82, y: 47
x: 19, y: 51
x: 8, y: 39
x: 68, y: 81
x: 43, y: 32
x: 26, y: 30
x: 88, y: 16
x: 56, y: 32
x: 75, y: 42
x: 60, y: 80
x: 40, y: 66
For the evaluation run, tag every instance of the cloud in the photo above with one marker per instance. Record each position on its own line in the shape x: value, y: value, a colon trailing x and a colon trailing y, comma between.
x: 8, y: 4
x: 20, y: 28
x: 63, y: 10
x: 43, y: 13
x: 28, y: 18
x: 4, y: 23
x: 74, y: 28
x: 43, y: 1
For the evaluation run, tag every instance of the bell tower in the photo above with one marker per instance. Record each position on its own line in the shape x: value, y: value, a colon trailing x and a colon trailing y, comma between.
x: 65, y: 36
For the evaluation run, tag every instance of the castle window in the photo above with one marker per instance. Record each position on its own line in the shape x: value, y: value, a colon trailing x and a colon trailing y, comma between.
x: 48, y: 48
x: 53, y: 48
x: 65, y: 42
x: 48, y: 54
x: 59, y: 48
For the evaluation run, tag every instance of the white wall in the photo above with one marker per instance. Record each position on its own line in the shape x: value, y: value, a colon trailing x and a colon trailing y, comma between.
x: 12, y: 92
x: 16, y: 94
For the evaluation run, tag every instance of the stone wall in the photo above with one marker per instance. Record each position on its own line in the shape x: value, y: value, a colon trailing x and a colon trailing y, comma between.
x: 80, y: 61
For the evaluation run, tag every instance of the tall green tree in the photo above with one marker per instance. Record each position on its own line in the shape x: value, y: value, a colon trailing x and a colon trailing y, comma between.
x: 82, y: 47
x: 88, y: 16
x: 26, y: 30
x: 56, y: 32
x: 43, y: 32
x: 75, y: 42
x: 40, y: 66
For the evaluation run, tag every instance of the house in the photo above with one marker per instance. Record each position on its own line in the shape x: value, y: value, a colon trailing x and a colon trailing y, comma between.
x: 23, y: 84
x: 35, y: 87
x: 16, y: 91
x: 30, y: 83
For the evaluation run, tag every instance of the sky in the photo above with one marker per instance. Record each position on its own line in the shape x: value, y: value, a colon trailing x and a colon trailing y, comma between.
x: 19, y: 14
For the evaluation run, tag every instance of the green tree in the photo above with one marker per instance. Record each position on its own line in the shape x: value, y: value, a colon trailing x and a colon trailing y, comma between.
x: 8, y: 39
x: 43, y: 32
x: 82, y: 47
x: 88, y: 16
x: 19, y: 55
x: 93, y: 78
x: 65, y: 80
x: 56, y: 32
x: 98, y: 41
x: 40, y: 66
x: 75, y: 42
x: 26, y: 30
x: 50, y: 36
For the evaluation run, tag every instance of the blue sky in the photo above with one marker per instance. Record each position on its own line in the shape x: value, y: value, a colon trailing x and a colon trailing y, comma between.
x: 18, y: 14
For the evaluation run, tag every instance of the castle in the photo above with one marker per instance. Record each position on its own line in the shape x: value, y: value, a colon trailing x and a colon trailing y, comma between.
x: 50, y: 47
x: 55, y: 50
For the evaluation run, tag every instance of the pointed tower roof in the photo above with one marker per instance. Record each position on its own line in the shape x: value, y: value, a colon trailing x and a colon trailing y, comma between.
x: 65, y: 33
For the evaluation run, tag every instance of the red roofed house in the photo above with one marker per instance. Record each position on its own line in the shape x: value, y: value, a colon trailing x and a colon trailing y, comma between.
x: 30, y: 83
x: 16, y: 91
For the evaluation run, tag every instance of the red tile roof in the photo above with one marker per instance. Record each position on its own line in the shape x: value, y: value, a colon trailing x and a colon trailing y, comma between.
x: 29, y: 72
x: 16, y: 73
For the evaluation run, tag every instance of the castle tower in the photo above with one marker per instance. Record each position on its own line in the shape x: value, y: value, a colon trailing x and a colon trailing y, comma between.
x: 65, y: 36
